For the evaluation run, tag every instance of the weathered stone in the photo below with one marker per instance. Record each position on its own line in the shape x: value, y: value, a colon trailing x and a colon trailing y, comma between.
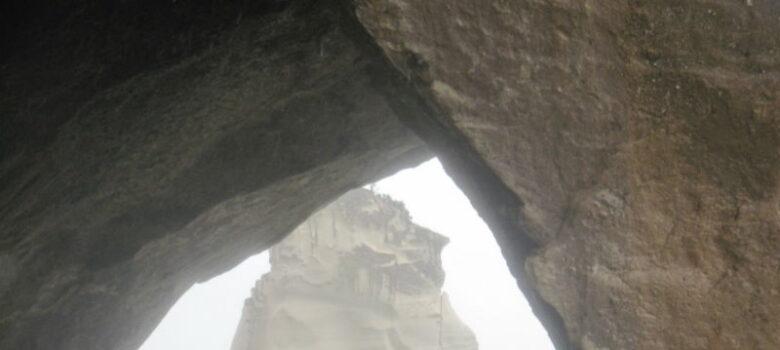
x: 153, y: 182
x: 625, y: 153
x: 640, y: 140
x: 356, y: 275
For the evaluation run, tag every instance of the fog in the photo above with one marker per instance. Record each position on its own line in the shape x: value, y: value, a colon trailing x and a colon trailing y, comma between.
x: 481, y: 289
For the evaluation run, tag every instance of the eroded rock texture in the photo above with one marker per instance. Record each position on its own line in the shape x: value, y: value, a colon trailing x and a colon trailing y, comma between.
x: 162, y: 145
x: 639, y: 143
x: 356, y: 275
x: 625, y: 153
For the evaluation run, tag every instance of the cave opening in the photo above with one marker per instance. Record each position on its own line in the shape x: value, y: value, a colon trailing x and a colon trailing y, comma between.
x: 480, y: 288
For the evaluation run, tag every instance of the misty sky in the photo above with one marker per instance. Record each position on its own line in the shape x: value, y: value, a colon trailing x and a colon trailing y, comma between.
x: 482, y: 291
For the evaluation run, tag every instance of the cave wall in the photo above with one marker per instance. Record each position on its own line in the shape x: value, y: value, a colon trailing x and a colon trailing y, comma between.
x: 624, y: 153
x: 639, y: 145
x: 161, y: 170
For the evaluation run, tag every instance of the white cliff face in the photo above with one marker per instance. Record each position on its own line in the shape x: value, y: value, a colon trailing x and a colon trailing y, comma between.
x: 357, y: 275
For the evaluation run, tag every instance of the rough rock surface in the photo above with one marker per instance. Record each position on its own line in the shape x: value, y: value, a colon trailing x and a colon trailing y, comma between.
x: 356, y: 275
x: 177, y: 173
x: 641, y: 143
x: 625, y: 153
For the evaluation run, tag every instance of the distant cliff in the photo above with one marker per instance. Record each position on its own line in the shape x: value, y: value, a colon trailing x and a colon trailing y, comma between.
x: 357, y: 275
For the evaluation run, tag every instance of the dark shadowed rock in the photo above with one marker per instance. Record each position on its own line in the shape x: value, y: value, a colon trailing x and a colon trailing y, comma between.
x: 356, y: 275
x: 625, y: 153
x: 172, y: 170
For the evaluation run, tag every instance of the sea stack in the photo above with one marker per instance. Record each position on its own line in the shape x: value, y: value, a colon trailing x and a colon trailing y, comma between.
x: 356, y: 275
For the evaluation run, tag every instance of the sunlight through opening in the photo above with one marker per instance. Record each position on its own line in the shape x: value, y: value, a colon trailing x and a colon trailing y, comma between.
x: 481, y: 289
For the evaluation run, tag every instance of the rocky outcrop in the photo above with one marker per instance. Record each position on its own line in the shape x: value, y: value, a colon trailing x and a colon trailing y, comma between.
x: 356, y: 275
x: 625, y: 153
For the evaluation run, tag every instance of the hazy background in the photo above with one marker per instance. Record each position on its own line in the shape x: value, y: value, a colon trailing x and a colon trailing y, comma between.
x: 481, y: 289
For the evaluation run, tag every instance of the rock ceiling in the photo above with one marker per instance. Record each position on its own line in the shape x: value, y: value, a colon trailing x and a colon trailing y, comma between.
x: 624, y: 153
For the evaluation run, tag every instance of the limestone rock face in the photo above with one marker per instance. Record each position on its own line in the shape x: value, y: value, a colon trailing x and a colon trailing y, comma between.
x: 625, y: 153
x: 356, y: 275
